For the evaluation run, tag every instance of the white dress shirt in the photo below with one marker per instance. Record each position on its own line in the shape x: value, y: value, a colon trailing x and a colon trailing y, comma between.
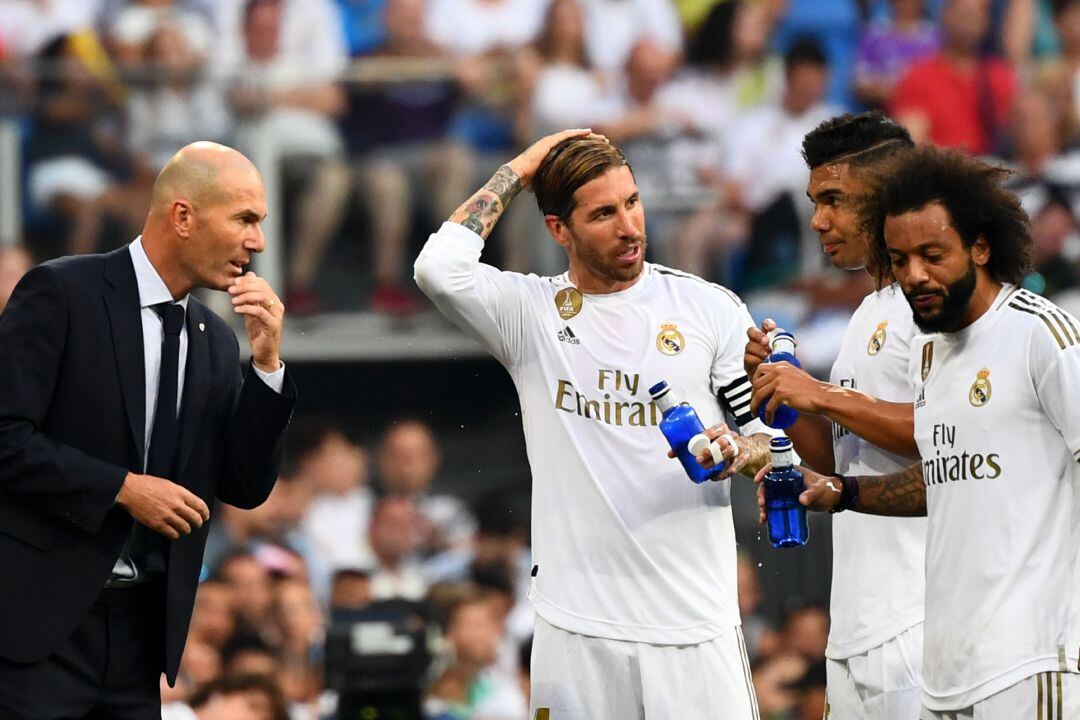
x: 152, y: 291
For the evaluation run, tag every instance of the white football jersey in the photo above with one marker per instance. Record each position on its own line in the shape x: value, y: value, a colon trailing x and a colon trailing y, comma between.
x: 878, y: 577
x: 625, y: 545
x: 998, y: 428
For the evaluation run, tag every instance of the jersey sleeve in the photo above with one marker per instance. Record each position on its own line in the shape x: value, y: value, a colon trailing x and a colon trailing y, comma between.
x: 728, y: 378
x: 1054, y: 362
x: 487, y: 303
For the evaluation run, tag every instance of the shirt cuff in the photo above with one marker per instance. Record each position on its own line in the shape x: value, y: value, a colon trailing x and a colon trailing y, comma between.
x: 275, y: 380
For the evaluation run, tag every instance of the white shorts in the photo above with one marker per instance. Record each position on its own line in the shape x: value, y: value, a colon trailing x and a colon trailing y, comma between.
x: 1046, y: 696
x: 884, y: 683
x: 577, y: 677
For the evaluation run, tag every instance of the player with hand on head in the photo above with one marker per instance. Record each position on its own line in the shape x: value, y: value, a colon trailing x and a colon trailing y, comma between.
x: 635, y: 578
x: 994, y: 374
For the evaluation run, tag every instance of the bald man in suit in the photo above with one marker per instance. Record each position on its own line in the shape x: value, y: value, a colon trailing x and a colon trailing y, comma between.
x: 124, y: 413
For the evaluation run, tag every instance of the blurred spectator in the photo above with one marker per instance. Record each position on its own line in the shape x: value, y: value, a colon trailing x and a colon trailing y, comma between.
x: 761, y: 639
x: 408, y: 462
x: 27, y: 26
x: 250, y: 588
x: 470, y: 688
x: 200, y: 665
x: 1048, y: 182
x: 810, y: 694
x: 175, y: 104
x: 1060, y: 75
x: 335, y: 526
x: 409, y: 162
x: 484, y: 35
x: 213, y: 620
x: 888, y: 49
x: 241, y: 697
x: 14, y: 262
x: 560, y: 86
x: 132, y: 29
x: 301, y: 627
x: 287, y: 100
x: 247, y: 654
x: 299, y: 621
x: 362, y: 21
x: 773, y: 678
x: 834, y: 25
x: 958, y: 98
x: 78, y: 166
x: 763, y: 175
x: 614, y: 27
x: 395, y: 538
x: 806, y: 632
x: 350, y: 589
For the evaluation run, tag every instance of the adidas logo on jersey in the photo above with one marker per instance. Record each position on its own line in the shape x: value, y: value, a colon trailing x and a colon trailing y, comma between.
x: 566, y: 335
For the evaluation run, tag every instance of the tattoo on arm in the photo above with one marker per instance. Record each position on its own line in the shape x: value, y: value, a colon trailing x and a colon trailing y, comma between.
x: 481, y: 211
x: 901, y: 494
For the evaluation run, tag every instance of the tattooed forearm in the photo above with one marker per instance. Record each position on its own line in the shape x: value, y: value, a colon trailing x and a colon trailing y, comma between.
x: 481, y: 211
x: 901, y: 494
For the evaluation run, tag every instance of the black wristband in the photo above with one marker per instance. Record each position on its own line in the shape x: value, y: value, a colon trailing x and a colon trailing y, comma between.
x: 849, y: 493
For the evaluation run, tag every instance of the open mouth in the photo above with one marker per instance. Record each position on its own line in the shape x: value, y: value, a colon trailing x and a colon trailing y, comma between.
x: 238, y: 266
x: 630, y: 254
x: 830, y: 247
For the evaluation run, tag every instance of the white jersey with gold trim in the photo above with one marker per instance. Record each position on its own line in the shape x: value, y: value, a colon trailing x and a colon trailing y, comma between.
x: 878, y: 575
x: 625, y: 545
x: 998, y: 428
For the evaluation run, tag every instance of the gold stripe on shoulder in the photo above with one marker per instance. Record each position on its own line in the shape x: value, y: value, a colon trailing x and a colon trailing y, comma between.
x: 1046, y: 321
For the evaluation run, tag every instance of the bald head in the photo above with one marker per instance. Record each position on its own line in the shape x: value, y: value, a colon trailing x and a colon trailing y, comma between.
x: 200, y: 173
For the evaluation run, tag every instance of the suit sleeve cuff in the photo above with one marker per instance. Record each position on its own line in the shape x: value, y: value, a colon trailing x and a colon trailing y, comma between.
x: 275, y: 380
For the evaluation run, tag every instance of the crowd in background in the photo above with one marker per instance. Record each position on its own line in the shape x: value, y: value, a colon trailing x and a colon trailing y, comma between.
x: 381, y: 116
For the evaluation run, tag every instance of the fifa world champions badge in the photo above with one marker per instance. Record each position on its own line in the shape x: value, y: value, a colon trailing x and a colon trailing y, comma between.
x: 927, y: 359
x: 670, y: 341
x: 980, y: 391
x: 877, y: 340
x: 568, y: 302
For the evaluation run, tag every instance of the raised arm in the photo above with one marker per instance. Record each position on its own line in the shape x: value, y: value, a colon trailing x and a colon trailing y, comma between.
x: 484, y: 208
x: 889, y: 425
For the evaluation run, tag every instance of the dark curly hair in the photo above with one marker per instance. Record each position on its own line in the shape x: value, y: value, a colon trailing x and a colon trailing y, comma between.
x: 859, y: 140
x: 971, y: 192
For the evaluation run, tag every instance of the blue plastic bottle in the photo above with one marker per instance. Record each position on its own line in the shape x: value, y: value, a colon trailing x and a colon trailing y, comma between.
x: 783, y: 349
x: 783, y: 485
x: 680, y: 423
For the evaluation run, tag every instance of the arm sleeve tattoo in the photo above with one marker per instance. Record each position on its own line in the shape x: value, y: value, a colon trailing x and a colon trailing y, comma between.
x: 901, y: 494
x: 481, y: 211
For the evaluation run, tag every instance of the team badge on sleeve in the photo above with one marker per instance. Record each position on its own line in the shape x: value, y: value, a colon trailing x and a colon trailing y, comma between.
x: 980, y: 391
x: 670, y: 341
x: 568, y: 302
x: 877, y: 340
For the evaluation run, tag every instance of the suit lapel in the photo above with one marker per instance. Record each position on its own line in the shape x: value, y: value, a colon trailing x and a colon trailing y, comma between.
x: 196, y: 383
x: 122, y: 304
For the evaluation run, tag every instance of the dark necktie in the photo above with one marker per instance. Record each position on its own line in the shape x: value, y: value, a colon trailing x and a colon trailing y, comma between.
x: 147, y: 548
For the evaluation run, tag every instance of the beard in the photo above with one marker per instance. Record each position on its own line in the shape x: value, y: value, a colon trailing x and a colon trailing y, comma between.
x: 604, y: 265
x: 955, y: 297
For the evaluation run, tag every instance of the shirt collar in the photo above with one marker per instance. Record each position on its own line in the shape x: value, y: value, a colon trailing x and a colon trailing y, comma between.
x: 152, y: 289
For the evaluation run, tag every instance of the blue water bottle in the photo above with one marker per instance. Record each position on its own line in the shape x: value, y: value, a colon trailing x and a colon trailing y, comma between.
x: 783, y: 485
x: 783, y: 349
x: 680, y: 423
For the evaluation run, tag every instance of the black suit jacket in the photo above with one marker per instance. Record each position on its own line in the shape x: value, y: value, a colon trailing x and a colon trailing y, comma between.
x: 72, y: 407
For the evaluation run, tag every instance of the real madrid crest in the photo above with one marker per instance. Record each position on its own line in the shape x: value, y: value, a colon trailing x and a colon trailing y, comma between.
x: 568, y: 302
x: 670, y: 341
x: 877, y: 340
x: 979, y: 394
x: 927, y: 358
